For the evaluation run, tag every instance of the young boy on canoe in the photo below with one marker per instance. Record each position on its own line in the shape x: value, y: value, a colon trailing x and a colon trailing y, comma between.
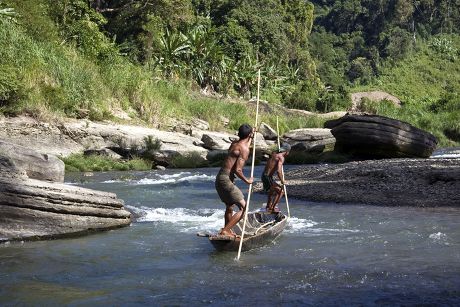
x: 275, y: 164
x: 238, y: 154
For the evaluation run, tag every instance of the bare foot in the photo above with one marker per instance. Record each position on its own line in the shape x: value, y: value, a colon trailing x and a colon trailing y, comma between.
x: 229, y: 233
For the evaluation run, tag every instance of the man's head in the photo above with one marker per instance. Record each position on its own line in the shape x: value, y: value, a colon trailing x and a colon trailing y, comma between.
x: 285, y: 147
x: 244, y: 131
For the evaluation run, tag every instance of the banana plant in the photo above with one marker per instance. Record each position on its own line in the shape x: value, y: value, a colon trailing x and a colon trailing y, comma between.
x: 172, y: 49
x: 205, y: 59
x: 244, y: 75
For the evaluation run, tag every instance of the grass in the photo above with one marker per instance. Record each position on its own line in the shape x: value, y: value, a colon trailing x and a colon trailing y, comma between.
x: 428, y: 84
x: 81, y: 163
x: 190, y: 160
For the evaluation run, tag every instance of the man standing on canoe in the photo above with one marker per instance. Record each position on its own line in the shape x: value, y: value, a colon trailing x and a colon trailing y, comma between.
x: 229, y: 193
x: 275, y: 164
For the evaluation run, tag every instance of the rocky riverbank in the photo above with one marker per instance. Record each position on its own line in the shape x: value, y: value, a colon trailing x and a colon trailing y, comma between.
x: 390, y: 182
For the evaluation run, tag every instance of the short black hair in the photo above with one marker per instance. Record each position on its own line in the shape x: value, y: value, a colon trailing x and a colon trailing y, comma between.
x: 244, y: 131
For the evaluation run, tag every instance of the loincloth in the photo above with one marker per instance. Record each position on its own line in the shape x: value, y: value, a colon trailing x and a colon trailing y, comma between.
x: 268, y: 181
x: 227, y: 190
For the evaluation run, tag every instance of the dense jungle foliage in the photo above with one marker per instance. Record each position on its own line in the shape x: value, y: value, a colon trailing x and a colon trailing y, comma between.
x: 151, y: 58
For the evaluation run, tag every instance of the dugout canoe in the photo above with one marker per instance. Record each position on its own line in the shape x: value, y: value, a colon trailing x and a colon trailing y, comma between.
x: 261, y: 229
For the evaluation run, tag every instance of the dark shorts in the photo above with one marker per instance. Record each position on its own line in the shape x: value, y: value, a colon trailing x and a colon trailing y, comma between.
x: 268, y: 181
x: 227, y: 190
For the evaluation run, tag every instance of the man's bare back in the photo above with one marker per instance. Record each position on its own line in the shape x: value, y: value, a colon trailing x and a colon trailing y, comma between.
x: 275, y: 164
x: 238, y: 154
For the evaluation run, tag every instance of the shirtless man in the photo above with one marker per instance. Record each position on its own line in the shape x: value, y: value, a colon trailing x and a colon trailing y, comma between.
x: 233, y: 165
x: 275, y: 164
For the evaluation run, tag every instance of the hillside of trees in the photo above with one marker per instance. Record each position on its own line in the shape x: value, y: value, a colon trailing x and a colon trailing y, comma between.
x: 151, y: 58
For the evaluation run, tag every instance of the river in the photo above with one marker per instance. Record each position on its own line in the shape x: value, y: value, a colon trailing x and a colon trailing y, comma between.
x: 330, y: 254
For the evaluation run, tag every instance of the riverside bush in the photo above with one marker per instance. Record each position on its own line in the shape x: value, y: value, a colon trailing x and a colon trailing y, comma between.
x: 189, y: 160
x: 79, y: 162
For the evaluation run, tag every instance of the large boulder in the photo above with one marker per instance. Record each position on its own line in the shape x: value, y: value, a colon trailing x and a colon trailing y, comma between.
x: 309, y: 139
x: 268, y: 132
x: 35, y: 165
x: 379, y: 136
x: 217, y: 140
x: 36, y: 209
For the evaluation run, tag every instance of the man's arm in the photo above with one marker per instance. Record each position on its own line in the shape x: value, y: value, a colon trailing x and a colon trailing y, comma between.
x: 280, y: 169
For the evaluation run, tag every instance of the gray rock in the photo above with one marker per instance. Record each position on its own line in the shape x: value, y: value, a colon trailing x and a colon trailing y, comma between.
x: 43, y: 137
x: 216, y: 140
x: 260, y: 141
x: 35, y: 165
x: 164, y: 157
x: 74, y: 136
x: 199, y: 124
x: 378, y: 136
x: 217, y: 155
x: 309, y: 139
x: 308, y: 147
x: 268, y: 132
x: 33, y: 209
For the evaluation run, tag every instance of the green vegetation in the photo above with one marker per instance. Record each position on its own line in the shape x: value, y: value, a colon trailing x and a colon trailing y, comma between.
x: 81, y: 163
x: 191, y: 160
x: 428, y: 84
x: 82, y: 59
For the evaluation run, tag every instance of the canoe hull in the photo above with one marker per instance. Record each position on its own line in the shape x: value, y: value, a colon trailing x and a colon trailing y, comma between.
x: 257, y: 238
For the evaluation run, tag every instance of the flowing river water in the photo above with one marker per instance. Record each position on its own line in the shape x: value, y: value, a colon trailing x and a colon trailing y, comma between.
x: 330, y: 254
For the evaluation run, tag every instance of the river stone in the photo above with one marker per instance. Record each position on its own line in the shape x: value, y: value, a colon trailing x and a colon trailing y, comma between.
x: 309, y: 139
x: 35, y: 209
x: 374, y: 136
x: 260, y: 141
x: 268, y: 132
x: 200, y: 124
x: 35, y: 165
x: 217, y: 140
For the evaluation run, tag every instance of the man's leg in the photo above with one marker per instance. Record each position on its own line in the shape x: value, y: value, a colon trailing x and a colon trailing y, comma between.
x: 279, y: 192
x: 271, y: 193
x: 227, y: 230
x: 228, y: 213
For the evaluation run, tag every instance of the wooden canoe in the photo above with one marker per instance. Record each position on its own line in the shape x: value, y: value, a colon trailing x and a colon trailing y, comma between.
x: 261, y: 229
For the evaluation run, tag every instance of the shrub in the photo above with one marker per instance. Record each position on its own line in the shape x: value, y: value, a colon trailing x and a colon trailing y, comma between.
x: 152, y: 144
x: 189, y: 160
x: 79, y: 162
x: 304, y: 97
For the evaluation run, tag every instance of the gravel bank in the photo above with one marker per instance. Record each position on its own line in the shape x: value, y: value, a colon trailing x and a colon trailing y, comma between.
x: 392, y: 182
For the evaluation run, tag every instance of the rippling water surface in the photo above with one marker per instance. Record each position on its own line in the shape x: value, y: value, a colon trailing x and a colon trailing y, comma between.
x: 329, y: 255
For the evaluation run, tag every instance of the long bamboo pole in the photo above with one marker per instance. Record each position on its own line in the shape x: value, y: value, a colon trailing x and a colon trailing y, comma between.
x: 282, y: 170
x: 252, y: 170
